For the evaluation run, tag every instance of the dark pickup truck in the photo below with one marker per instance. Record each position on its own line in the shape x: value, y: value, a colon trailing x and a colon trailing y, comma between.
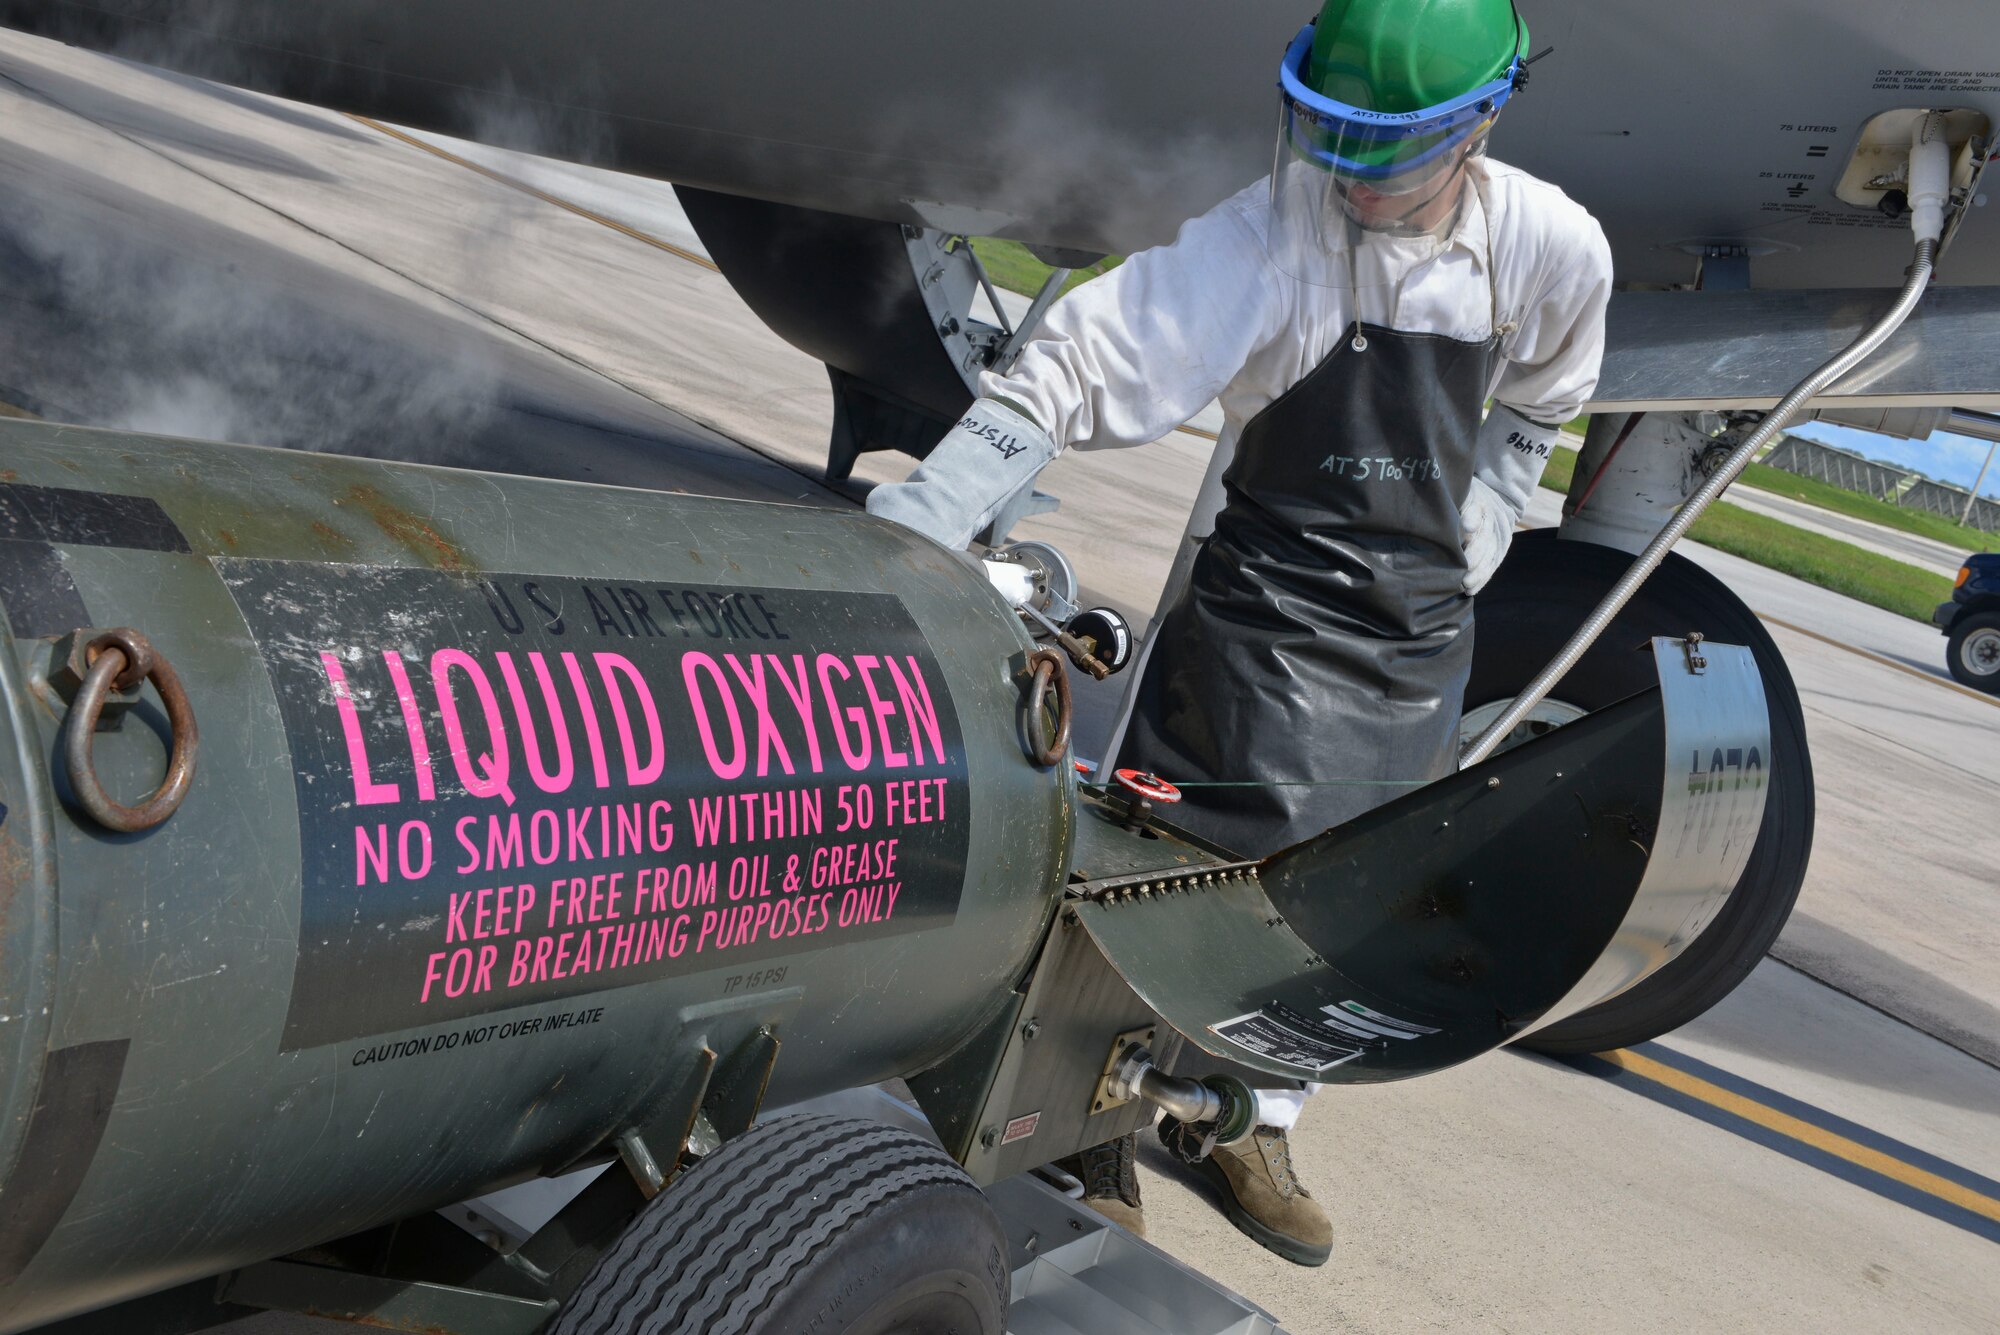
x: 1972, y: 620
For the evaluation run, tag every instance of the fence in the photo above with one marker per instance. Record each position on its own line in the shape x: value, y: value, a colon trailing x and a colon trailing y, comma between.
x: 1811, y: 459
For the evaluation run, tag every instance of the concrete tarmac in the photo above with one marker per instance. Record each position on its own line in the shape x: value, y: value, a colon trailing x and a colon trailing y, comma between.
x: 185, y: 258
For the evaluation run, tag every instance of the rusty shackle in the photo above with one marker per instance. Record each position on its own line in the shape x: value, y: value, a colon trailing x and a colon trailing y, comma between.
x: 121, y: 659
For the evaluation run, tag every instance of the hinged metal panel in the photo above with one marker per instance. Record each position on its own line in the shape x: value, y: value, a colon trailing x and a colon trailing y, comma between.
x: 1460, y: 916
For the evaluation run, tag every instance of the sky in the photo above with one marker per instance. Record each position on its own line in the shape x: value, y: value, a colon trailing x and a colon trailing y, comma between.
x: 1945, y: 457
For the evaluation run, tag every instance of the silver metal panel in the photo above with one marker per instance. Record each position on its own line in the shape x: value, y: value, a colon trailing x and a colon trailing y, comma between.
x: 1682, y: 350
x: 1202, y: 952
x: 1462, y: 915
x: 1077, y: 1273
x: 1040, y: 1105
x: 1415, y: 937
x: 1716, y: 776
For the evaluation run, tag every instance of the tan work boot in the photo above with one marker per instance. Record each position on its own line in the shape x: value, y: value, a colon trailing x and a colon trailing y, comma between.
x: 1261, y: 1193
x: 1110, y: 1177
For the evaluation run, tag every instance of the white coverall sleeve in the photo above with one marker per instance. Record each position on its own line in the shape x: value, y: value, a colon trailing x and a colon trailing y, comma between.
x: 1553, y: 360
x: 1554, y: 357
x: 1128, y: 357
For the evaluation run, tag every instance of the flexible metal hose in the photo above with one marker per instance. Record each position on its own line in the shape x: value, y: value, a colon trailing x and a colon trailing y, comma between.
x: 1656, y: 551
x: 1186, y: 1100
x: 1222, y: 1107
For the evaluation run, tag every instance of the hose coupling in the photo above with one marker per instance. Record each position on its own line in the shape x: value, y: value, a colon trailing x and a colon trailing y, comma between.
x: 1222, y: 1109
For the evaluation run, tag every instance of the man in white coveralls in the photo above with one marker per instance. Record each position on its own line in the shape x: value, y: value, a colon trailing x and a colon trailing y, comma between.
x: 1354, y: 313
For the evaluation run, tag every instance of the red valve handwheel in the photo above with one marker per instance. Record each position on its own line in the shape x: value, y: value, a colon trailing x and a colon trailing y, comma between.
x: 1149, y: 786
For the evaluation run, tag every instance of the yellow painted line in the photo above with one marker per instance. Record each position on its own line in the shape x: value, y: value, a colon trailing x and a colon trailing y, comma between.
x: 1819, y: 1138
x: 679, y: 252
x: 1873, y: 657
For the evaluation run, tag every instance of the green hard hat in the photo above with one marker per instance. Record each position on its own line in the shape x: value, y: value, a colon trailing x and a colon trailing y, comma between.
x: 1407, y: 55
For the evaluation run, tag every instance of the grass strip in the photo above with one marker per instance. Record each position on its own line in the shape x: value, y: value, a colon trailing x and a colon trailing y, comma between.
x: 1561, y: 468
x: 1828, y: 562
x: 1009, y: 265
x: 1852, y: 503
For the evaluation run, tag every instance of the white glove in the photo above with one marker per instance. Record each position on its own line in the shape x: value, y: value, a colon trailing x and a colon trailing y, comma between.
x: 1510, y: 453
x: 992, y: 453
x: 1011, y: 580
x: 1488, y: 523
x: 1507, y: 461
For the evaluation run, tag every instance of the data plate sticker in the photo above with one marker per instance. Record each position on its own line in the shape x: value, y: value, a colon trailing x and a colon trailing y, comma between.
x: 1021, y: 1127
x: 518, y: 788
x: 1285, y: 1034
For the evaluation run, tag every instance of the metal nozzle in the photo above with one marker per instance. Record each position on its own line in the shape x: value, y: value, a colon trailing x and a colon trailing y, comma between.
x: 1226, y: 1104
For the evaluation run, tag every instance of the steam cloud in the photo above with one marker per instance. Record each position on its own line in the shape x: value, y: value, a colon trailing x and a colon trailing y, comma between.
x: 156, y: 306
x: 108, y: 328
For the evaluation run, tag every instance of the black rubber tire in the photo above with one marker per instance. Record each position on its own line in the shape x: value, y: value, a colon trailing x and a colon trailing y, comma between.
x: 1540, y: 595
x: 831, y: 1225
x: 1955, y: 657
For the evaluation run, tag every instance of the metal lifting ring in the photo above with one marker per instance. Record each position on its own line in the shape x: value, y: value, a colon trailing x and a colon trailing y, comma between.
x: 123, y: 658
x: 1048, y: 667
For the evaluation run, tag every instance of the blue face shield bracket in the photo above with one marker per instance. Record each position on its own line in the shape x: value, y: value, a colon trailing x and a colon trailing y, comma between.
x: 1312, y: 120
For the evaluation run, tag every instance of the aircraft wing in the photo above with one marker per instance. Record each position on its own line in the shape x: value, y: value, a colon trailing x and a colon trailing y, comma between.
x: 1103, y: 126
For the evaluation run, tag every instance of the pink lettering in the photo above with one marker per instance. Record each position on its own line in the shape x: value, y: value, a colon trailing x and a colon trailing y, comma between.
x: 578, y: 820
x: 608, y: 666
x: 369, y: 853
x: 418, y: 865
x: 366, y: 791
x: 531, y: 746
x: 430, y: 976
x: 454, y: 923
x: 800, y: 690
x: 458, y: 830
x: 413, y: 724
x: 917, y: 708
x: 768, y: 736
x: 589, y: 712
x: 856, y: 758
x: 503, y: 841
x: 882, y: 710
x: 691, y: 663
x: 487, y: 778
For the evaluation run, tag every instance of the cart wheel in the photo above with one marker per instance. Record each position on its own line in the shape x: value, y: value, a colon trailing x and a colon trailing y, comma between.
x: 1973, y: 653
x: 1540, y: 596
x: 830, y: 1224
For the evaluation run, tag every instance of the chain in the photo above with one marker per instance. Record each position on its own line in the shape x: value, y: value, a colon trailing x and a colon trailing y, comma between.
x: 1309, y: 783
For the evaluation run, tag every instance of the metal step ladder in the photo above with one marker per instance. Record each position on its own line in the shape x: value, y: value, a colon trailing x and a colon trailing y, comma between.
x: 1077, y: 1273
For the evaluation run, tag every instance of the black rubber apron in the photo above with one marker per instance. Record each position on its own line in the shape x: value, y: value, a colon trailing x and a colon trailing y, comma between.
x: 1323, y: 634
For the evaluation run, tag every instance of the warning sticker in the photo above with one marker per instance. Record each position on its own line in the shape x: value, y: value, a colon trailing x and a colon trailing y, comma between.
x: 1338, y: 1035
x: 1891, y: 79
x: 1021, y: 1127
x: 1355, y: 1015
x: 1285, y: 1034
x: 517, y: 788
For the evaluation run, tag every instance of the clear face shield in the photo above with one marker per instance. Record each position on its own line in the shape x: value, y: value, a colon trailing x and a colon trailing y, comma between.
x: 1360, y: 198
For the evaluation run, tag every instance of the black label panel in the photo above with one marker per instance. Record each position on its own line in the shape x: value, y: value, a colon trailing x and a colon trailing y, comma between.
x: 518, y: 788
